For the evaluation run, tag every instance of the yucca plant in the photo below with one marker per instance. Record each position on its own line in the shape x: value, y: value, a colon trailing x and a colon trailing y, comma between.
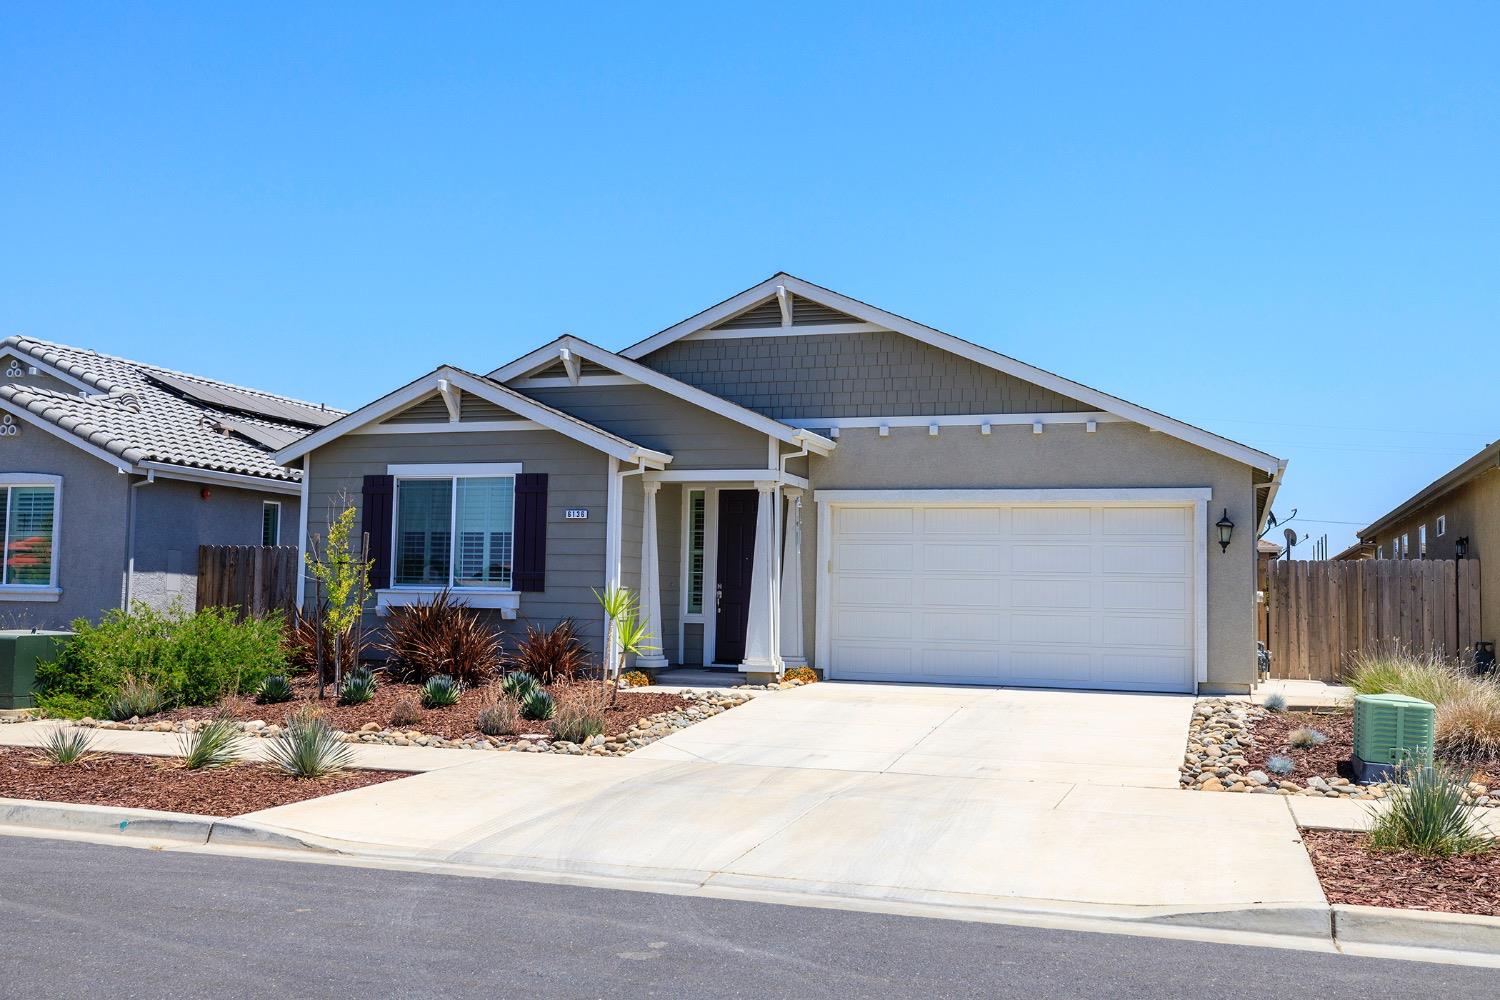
x: 137, y: 697
x: 217, y: 742
x: 629, y: 634
x: 503, y: 718
x: 1304, y: 737
x: 517, y: 685
x: 357, y: 687
x: 440, y: 691
x: 1427, y: 814
x: 67, y: 745
x: 308, y: 747
x: 552, y: 655
x: 274, y: 690
x: 538, y: 705
x: 444, y: 636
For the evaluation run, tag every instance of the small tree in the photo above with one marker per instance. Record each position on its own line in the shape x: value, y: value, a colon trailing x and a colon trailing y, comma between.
x: 630, y: 635
x: 341, y: 575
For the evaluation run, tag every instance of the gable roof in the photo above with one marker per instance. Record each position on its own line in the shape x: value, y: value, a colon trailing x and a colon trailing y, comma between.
x: 443, y: 378
x: 1488, y: 459
x: 783, y: 284
x: 548, y: 354
x: 140, y: 416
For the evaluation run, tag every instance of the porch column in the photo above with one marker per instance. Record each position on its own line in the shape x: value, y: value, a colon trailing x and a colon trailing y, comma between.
x: 760, y: 630
x: 791, y: 584
x: 651, y: 583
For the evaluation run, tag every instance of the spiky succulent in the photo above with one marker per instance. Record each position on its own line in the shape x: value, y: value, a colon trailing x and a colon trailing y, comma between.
x: 440, y: 691
x: 217, y: 742
x: 274, y: 690
x: 518, y: 684
x: 67, y: 745
x: 1280, y: 766
x: 308, y: 747
x: 1275, y: 702
x: 538, y: 705
x: 357, y: 687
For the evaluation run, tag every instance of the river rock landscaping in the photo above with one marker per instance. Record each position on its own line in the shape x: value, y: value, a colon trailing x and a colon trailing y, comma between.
x: 1231, y: 746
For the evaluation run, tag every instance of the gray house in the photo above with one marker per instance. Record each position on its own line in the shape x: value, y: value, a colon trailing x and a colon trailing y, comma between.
x: 113, y: 472
x: 793, y: 476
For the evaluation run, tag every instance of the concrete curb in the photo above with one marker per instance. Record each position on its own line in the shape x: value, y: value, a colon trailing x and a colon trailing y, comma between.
x: 1377, y: 925
x: 111, y: 820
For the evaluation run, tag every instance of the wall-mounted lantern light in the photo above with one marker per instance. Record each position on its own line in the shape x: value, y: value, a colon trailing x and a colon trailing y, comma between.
x: 1226, y: 529
x: 1461, y: 547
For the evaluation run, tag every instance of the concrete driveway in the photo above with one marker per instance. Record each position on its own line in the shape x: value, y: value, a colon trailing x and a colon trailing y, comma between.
x: 1092, y: 737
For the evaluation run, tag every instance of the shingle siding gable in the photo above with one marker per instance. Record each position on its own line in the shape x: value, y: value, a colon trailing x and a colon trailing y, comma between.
x: 850, y: 375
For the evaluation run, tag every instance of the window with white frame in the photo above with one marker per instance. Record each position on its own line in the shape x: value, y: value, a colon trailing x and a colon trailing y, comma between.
x: 1380, y: 552
x: 696, y: 530
x: 270, y: 523
x: 1442, y: 525
x: 1405, y: 544
x: 29, y: 512
x: 454, y: 531
x: 1421, y: 541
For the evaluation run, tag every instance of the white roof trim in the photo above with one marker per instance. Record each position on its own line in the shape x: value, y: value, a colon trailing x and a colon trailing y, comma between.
x: 509, y: 399
x: 214, y: 477
x: 647, y: 376
x: 964, y: 349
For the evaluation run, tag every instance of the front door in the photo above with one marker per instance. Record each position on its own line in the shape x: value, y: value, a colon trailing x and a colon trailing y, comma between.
x: 736, y: 564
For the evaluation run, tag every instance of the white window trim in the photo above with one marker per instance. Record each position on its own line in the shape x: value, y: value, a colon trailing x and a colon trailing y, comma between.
x: 1380, y: 552
x: 1442, y: 525
x: 263, y: 505
x: 403, y: 594
x: 687, y: 553
x: 1405, y: 544
x: 1421, y: 541
x: 48, y: 591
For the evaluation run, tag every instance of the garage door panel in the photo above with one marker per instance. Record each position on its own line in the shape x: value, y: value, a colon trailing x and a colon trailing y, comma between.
x: 956, y: 626
x: 1140, y: 630
x: 1146, y: 672
x: 983, y: 521
x: 960, y: 663
x: 1035, y: 593
x: 873, y: 660
x: 1165, y: 559
x: 960, y: 592
x: 1172, y: 521
x: 1063, y: 521
x: 1052, y: 629
x: 972, y: 558
x: 856, y: 557
x: 1049, y: 667
x: 875, y: 520
x: 1051, y: 558
x: 873, y: 591
x: 881, y: 624
x: 1144, y: 595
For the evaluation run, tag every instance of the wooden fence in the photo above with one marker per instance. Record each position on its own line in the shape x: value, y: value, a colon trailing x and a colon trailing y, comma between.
x: 1323, y: 613
x: 253, y: 578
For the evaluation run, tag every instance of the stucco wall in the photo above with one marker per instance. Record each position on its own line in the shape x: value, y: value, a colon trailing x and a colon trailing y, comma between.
x: 1117, y: 455
x: 90, y: 529
x: 577, y: 477
x: 1472, y: 510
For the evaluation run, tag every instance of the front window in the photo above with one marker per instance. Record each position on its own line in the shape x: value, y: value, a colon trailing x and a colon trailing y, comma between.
x: 270, y: 523
x: 30, y: 516
x: 696, y: 513
x: 455, y: 531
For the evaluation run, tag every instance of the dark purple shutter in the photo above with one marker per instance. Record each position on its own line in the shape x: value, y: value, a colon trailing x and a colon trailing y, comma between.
x: 531, y: 531
x: 375, y: 519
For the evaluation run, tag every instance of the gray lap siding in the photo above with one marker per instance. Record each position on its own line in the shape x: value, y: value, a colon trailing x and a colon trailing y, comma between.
x: 577, y: 476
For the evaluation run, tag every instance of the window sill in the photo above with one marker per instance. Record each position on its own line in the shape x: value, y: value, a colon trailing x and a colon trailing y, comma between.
x: 507, y: 602
x: 49, y: 595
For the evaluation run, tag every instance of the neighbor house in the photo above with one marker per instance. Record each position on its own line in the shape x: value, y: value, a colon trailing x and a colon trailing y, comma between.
x: 113, y: 472
x: 794, y: 476
x: 1456, y: 516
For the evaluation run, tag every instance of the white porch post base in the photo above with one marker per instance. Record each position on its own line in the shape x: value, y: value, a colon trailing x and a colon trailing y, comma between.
x: 650, y: 584
x: 791, y: 585
x: 760, y: 650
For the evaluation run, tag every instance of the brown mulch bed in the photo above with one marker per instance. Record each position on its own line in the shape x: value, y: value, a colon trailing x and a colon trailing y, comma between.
x: 1326, y: 760
x: 160, y: 783
x: 1353, y: 875
x: 454, y: 722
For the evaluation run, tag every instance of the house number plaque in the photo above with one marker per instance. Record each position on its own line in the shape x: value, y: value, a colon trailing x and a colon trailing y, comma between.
x: 576, y: 514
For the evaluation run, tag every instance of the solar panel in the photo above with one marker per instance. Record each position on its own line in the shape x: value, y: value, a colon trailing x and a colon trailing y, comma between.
x: 270, y: 438
x: 226, y: 398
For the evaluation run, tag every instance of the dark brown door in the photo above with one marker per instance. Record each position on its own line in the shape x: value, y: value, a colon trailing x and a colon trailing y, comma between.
x: 736, y: 563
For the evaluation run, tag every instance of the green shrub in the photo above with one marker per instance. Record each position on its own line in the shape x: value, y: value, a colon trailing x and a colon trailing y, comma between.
x: 308, y: 747
x: 518, y: 684
x: 192, y: 659
x: 440, y: 691
x: 537, y: 705
x: 135, y: 698
x: 217, y: 742
x: 357, y: 687
x: 1427, y: 815
x: 502, y: 718
x: 67, y: 745
x: 274, y: 690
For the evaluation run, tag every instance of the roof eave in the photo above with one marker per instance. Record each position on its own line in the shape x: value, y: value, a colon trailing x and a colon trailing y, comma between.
x: 1487, y: 459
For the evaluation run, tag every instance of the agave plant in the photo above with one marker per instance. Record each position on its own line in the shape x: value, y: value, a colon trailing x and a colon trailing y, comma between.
x: 443, y: 636
x: 538, y: 705
x: 308, y: 747
x: 217, y: 742
x: 518, y: 684
x: 136, y: 697
x: 1427, y: 814
x: 67, y: 745
x: 358, y: 687
x: 502, y: 718
x: 274, y: 690
x: 440, y: 691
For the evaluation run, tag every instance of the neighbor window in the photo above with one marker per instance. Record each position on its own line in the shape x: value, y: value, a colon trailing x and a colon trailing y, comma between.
x: 1421, y: 541
x: 1380, y: 552
x: 455, y: 531
x: 30, y: 516
x: 1442, y: 525
x: 1405, y: 544
x: 697, y: 509
x: 270, y: 523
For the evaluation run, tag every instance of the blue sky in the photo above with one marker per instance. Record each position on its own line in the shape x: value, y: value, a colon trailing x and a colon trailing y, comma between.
x: 1281, y: 222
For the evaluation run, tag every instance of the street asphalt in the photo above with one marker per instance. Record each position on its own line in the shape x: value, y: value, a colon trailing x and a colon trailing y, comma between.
x: 85, y: 920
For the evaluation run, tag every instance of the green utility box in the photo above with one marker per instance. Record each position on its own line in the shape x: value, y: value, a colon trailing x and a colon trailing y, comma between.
x: 1391, y: 731
x: 20, y: 652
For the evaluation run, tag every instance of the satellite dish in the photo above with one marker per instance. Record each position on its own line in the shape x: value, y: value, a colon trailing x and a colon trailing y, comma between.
x: 1291, y: 538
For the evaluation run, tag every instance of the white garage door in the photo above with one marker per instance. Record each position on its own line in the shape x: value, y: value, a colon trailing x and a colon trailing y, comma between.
x: 1051, y: 595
